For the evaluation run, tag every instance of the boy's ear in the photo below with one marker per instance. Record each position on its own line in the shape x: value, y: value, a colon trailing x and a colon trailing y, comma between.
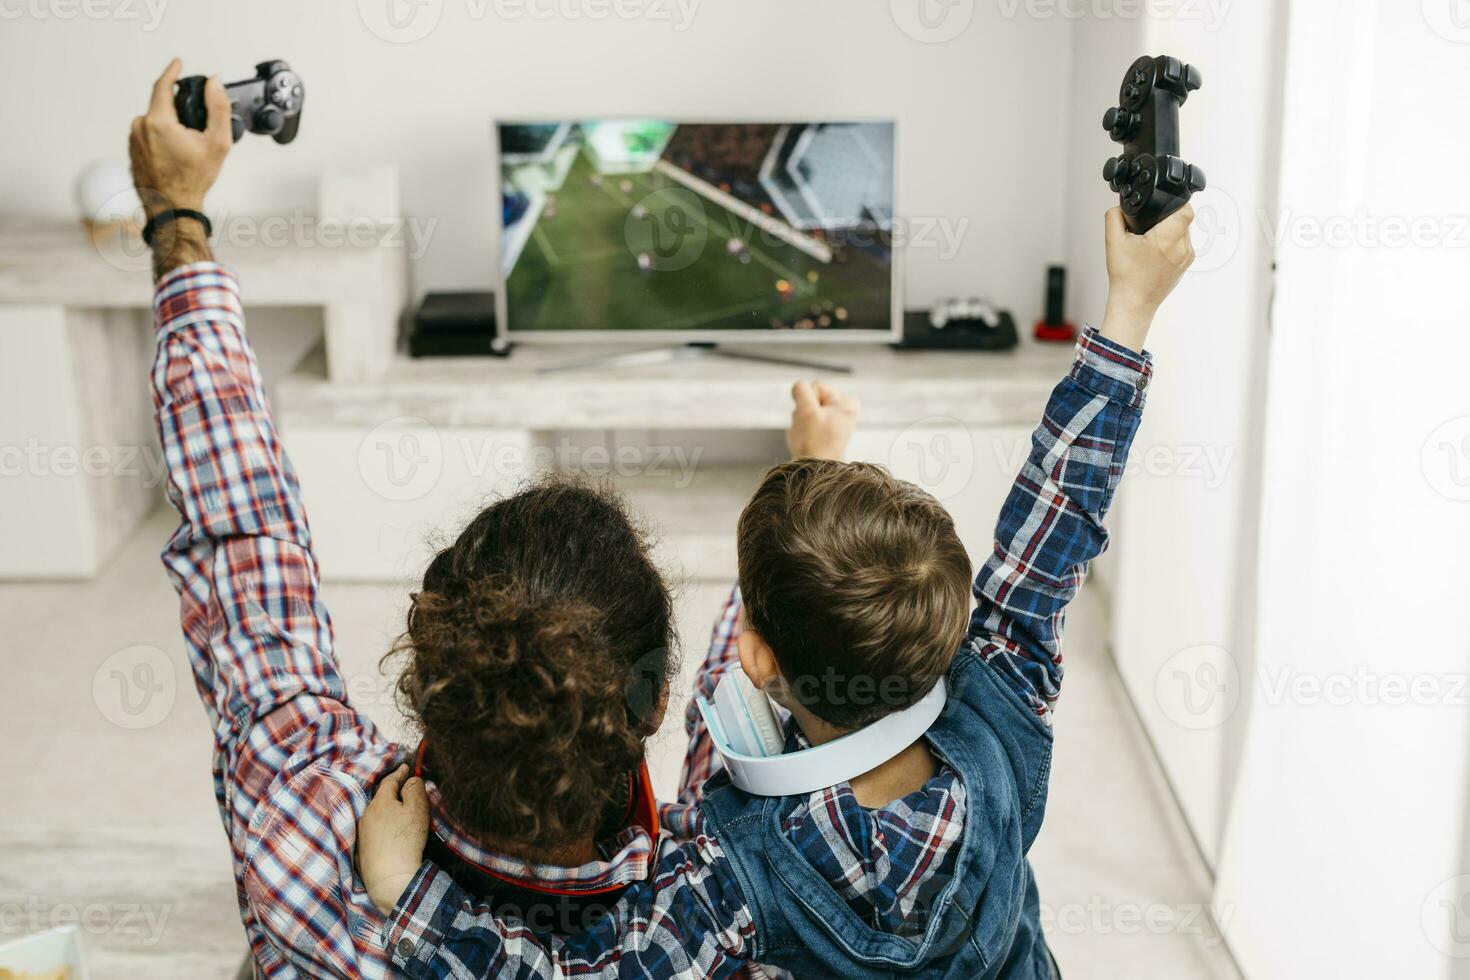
x: 757, y: 658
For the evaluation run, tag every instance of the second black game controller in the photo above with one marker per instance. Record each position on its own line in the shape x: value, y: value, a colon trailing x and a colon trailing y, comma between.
x: 1151, y: 180
x: 269, y: 103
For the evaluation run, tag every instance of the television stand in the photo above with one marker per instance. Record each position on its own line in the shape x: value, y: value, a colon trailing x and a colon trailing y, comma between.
x: 687, y: 352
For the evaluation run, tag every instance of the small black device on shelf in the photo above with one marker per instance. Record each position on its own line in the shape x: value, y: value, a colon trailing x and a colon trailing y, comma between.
x: 268, y: 104
x: 958, y: 324
x: 1151, y: 180
x: 455, y: 324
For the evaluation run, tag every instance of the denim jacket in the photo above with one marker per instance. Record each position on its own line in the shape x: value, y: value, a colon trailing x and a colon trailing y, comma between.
x: 985, y: 920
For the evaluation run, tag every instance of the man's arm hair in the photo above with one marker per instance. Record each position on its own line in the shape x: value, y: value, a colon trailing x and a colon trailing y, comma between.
x: 178, y: 243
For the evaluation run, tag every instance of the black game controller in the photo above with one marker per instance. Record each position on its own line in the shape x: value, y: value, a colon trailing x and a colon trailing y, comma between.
x: 269, y: 103
x: 1151, y: 180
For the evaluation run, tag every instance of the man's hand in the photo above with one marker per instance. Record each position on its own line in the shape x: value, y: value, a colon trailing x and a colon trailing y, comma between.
x: 174, y: 166
x: 1142, y: 271
x: 391, y: 837
x: 822, y: 422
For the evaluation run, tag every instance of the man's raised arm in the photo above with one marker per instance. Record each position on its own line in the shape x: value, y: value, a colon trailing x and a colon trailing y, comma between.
x: 241, y: 558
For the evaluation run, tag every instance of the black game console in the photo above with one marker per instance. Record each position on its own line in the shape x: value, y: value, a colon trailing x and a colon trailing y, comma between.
x: 1151, y: 181
x: 268, y: 104
x: 455, y: 324
x: 920, y: 333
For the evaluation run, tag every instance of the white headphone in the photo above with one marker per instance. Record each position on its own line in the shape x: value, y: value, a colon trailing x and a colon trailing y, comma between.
x: 748, y: 737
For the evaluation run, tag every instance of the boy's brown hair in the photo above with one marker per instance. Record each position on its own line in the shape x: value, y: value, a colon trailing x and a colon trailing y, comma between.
x: 859, y: 583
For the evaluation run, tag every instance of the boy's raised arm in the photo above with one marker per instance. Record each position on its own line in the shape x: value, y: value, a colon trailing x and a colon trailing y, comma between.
x: 1051, y: 524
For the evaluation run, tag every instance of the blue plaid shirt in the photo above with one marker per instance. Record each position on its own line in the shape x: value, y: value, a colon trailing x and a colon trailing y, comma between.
x: 690, y: 919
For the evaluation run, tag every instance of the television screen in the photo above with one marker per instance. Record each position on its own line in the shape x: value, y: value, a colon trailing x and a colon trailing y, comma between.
x: 697, y: 231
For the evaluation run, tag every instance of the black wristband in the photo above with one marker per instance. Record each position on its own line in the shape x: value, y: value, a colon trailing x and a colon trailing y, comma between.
x: 164, y: 217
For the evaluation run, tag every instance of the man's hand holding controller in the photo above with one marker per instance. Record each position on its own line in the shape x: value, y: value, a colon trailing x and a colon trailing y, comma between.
x: 1142, y: 271
x: 175, y: 166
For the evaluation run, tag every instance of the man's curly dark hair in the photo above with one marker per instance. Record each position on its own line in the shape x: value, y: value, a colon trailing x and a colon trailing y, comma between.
x: 534, y: 655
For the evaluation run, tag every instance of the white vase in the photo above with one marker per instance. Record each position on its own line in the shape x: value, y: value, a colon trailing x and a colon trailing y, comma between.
x: 105, y: 197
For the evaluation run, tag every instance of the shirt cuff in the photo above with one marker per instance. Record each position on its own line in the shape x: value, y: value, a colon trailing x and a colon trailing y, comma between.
x: 420, y: 919
x: 1112, y: 370
x: 199, y: 290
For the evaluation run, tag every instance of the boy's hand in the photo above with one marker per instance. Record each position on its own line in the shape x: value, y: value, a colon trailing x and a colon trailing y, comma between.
x: 822, y: 422
x: 391, y: 836
x: 1142, y: 271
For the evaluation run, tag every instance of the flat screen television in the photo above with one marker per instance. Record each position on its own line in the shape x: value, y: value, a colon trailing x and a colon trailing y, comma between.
x: 697, y: 232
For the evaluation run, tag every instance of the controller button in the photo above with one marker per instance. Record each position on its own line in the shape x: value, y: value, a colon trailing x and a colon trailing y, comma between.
x: 1140, y: 77
x: 1110, y: 170
x: 283, y: 81
x: 1173, y: 70
x: 1120, y: 123
x: 269, y: 120
x: 1176, y: 171
x: 296, y: 91
x: 1192, y: 79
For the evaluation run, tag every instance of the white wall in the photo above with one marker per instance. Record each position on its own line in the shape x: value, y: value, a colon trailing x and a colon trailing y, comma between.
x: 1102, y: 47
x: 1345, y: 854
x: 1183, y: 522
x: 981, y: 127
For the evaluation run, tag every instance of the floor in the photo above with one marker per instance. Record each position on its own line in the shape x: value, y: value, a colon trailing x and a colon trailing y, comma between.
x: 109, y: 818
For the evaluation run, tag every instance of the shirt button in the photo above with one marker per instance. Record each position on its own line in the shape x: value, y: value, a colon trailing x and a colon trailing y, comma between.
x: 405, y: 948
x: 1142, y: 382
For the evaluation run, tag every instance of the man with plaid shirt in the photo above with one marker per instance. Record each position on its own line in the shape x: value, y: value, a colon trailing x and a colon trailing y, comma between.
x: 295, y: 762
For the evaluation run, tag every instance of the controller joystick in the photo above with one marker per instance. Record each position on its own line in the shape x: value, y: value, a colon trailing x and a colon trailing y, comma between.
x: 268, y: 104
x: 1149, y: 177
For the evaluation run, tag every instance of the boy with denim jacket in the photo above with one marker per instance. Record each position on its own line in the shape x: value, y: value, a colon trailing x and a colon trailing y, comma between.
x: 848, y: 583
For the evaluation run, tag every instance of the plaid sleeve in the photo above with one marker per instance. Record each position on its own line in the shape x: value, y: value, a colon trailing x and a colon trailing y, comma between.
x: 688, y: 921
x: 700, y: 761
x: 291, y: 757
x: 1051, y: 524
x: 241, y: 558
